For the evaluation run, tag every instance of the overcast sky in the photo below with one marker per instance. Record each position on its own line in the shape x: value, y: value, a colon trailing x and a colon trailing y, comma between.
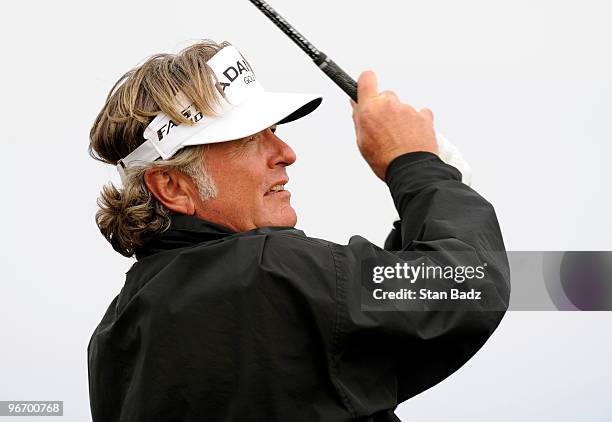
x: 523, y: 88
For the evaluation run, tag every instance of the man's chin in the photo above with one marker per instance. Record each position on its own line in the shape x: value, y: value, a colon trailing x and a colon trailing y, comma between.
x: 289, y: 217
x: 285, y: 218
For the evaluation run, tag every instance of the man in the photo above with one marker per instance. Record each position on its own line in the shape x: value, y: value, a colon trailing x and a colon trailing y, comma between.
x: 230, y: 313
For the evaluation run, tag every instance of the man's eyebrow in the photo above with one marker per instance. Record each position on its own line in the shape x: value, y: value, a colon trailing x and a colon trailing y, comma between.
x: 256, y: 135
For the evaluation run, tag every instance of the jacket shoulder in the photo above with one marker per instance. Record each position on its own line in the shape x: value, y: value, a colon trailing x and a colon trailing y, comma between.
x: 290, y: 250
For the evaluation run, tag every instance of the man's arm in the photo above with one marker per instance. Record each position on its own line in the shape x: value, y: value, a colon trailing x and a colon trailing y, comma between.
x: 437, y: 211
x: 443, y: 221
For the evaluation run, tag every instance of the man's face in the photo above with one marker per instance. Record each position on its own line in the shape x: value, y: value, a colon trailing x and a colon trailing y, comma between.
x: 250, y: 176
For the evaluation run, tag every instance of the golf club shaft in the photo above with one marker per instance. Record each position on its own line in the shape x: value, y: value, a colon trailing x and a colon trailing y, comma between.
x: 328, y: 66
x: 340, y: 77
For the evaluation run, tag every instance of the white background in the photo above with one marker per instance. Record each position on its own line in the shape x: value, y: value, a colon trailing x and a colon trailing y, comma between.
x: 522, y: 87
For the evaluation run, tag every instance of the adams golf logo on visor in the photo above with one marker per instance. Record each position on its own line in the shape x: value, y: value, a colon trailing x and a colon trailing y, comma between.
x: 164, y: 137
x: 237, y: 82
x: 235, y: 75
x: 232, y: 73
x: 244, y: 108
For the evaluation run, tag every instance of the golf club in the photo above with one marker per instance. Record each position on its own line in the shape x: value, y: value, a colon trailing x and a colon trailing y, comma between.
x: 331, y: 69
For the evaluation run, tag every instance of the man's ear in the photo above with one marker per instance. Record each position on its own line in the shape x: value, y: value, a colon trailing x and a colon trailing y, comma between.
x: 172, y: 188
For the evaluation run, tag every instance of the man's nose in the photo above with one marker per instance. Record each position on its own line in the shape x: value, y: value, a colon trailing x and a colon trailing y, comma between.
x: 281, y: 153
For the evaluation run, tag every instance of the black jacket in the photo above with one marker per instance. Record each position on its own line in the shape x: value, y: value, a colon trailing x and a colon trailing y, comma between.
x: 267, y: 325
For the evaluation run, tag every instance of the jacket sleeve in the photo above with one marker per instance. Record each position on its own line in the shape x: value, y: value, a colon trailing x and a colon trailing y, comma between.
x: 391, y: 355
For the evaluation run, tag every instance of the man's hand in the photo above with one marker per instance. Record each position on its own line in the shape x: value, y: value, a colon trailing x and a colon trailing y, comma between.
x: 387, y: 128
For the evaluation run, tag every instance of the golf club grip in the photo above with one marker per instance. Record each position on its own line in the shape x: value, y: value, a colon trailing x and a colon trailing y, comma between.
x: 339, y: 76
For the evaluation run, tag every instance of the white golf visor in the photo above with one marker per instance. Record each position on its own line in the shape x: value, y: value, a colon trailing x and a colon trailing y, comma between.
x: 245, y: 110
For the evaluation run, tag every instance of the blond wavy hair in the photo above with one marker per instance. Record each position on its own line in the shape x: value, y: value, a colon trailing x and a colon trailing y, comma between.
x: 130, y: 216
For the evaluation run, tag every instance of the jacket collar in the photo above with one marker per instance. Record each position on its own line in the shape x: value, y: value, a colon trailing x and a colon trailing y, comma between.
x: 189, y: 230
x: 193, y: 224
